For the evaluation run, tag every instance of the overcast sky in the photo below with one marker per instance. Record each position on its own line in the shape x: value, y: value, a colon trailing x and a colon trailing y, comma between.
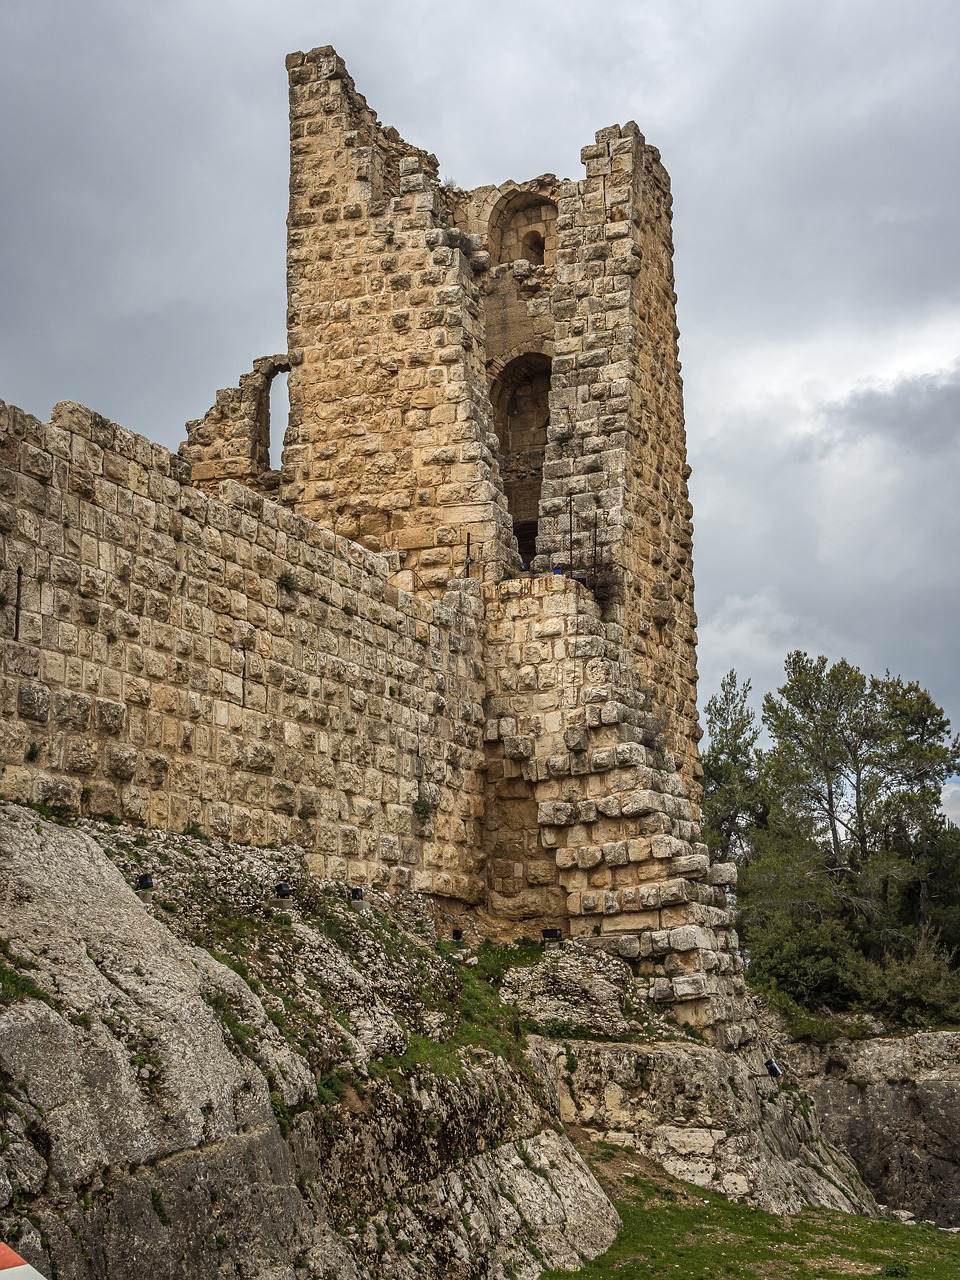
x: 813, y: 149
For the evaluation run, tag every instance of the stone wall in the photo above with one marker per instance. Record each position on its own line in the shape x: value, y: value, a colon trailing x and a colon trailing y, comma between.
x: 458, y: 652
x: 172, y: 659
x: 587, y: 816
x: 389, y: 437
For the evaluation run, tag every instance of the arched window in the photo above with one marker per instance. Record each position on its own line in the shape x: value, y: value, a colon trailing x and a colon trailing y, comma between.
x: 524, y: 225
x: 521, y: 411
x: 278, y: 415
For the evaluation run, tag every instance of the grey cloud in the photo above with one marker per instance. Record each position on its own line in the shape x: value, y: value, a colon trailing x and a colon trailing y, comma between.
x: 813, y: 152
x: 918, y: 414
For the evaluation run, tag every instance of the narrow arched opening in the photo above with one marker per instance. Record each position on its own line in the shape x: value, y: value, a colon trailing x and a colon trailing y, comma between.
x: 278, y: 417
x: 521, y: 412
x: 532, y: 248
x: 524, y: 225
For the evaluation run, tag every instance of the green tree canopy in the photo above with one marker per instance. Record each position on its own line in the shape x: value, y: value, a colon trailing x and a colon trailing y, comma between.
x: 850, y: 894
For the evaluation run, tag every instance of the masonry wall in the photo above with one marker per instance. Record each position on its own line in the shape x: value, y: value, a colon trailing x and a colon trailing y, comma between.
x: 389, y: 437
x: 616, y: 445
x: 169, y: 659
x: 492, y: 370
x: 587, y: 818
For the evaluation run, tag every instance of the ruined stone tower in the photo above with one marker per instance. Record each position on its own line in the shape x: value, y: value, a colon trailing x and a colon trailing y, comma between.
x: 450, y: 645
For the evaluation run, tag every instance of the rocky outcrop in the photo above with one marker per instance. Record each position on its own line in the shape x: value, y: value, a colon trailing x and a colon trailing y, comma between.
x: 166, y: 1114
x: 207, y: 1080
x: 712, y: 1118
x: 894, y: 1106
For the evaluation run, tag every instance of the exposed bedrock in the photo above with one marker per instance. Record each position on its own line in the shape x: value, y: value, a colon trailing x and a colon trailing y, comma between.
x: 159, y: 1121
x: 711, y: 1117
x: 894, y: 1106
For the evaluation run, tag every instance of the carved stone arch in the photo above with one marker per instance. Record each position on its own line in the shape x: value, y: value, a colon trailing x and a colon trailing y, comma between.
x: 523, y: 224
x: 537, y: 346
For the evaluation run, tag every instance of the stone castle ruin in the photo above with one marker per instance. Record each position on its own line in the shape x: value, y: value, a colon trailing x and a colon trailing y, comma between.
x: 450, y: 645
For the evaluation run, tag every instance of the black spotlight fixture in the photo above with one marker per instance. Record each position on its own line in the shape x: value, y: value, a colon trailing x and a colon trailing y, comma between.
x: 144, y: 882
x: 774, y: 1070
x: 356, y: 894
x: 283, y: 890
x: 458, y: 935
x: 551, y: 935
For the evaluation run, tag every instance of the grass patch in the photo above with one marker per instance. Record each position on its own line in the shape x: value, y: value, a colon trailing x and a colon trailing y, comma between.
x: 672, y: 1229
x: 243, y: 1036
x: 14, y: 983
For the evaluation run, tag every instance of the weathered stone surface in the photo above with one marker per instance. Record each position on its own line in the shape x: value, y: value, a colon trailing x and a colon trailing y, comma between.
x: 162, y: 1124
x: 708, y: 1117
x: 894, y: 1107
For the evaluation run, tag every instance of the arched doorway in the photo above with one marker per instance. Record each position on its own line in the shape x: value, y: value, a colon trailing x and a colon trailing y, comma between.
x: 521, y: 412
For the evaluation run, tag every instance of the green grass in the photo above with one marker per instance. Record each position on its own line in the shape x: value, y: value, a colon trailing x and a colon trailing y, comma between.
x: 14, y: 983
x: 671, y: 1229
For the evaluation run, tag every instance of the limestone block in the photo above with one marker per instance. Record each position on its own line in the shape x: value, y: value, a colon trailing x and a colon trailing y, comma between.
x: 694, y: 866
x: 661, y: 990
x: 632, y: 921
x: 676, y: 891
x: 691, y: 937
x: 33, y: 702
x: 556, y: 814
x: 637, y: 803
x: 80, y: 755
x: 663, y: 846
x: 110, y: 716
x: 71, y: 710
x: 615, y: 853
x: 722, y: 873
x: 120, y: 761
x: 691, y: 986
x: 639, y: 850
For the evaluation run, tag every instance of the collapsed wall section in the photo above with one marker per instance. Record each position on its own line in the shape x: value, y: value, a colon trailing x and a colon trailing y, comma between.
x: 232, y: 439
x: 171, y: 659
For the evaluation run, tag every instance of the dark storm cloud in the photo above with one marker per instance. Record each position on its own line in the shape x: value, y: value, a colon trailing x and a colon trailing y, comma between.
x: 813, y: 149
x: 917, y: 414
